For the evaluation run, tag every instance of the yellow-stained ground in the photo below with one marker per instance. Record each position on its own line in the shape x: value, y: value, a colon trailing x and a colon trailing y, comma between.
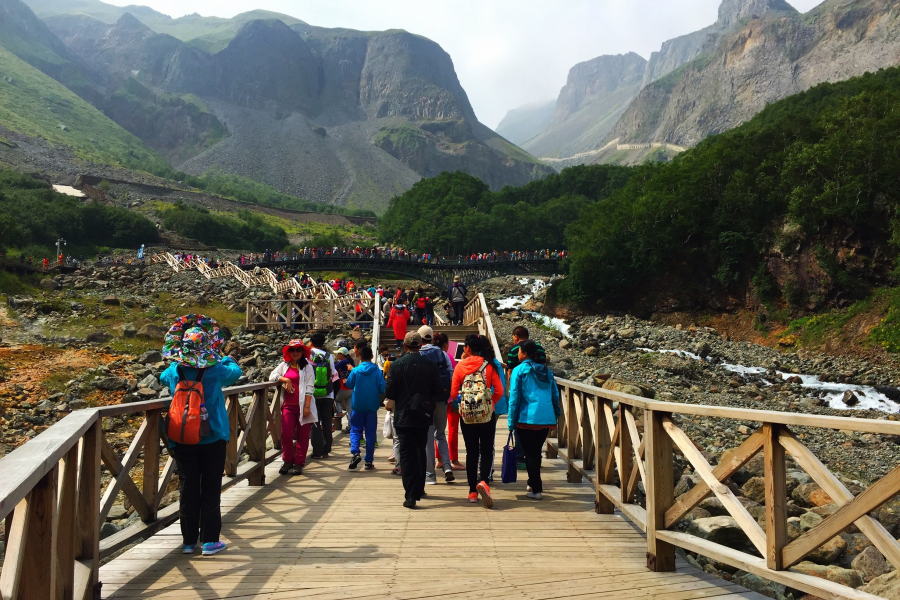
x: 339, y: 534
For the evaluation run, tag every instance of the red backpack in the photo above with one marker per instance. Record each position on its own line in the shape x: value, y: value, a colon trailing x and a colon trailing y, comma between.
x: 185, y: 422
x: 420, y: 303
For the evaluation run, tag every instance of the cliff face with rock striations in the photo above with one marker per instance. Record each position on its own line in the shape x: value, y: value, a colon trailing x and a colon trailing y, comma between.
x: 763, y: 61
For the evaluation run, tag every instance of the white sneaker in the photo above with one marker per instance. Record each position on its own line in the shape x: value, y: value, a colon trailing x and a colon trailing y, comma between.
x: 527, y: 488
x: 534, y: 496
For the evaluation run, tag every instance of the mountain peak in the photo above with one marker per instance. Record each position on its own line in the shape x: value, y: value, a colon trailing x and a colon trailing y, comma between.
x: 732, y: 12
x: 128, y: 22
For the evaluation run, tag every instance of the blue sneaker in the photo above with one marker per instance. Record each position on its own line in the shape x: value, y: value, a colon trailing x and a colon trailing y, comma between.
x: 187, y: 549
x: 211, y: 548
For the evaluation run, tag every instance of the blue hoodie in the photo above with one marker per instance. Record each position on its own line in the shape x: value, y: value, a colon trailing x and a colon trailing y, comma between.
x: 367, y: 383
x: 214, y: 379
x: 533, y: 396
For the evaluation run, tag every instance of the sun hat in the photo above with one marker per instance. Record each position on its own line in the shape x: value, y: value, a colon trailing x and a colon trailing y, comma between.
x: 426, y: 332
x: 194, y: 341
x: 286, y: 351
x: 456, y: 278
x: 343, y: 351
x: 413, y: 339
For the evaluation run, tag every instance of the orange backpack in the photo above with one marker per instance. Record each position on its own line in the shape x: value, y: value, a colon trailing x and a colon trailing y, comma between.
x: 185, y: 422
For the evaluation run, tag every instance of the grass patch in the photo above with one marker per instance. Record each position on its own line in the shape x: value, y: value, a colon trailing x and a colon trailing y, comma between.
x: 887, y: 333
x: 12, y: 285
x: 817, y: 329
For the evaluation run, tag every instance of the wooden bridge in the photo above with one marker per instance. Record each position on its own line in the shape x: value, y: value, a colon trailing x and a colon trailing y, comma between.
x: 334, y: 534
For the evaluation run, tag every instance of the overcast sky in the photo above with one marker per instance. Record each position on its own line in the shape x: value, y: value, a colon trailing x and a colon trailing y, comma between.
x: 506, y: 52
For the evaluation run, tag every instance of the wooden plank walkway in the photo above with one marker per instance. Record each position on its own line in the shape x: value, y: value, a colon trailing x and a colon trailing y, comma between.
x: 339, y: 534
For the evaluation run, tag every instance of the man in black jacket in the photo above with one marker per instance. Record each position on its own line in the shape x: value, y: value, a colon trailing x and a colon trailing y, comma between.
x: 414, y: 385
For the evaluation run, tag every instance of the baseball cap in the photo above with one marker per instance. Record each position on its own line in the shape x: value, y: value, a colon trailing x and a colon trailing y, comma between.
x: 413, y: 339
x: 426, y: 332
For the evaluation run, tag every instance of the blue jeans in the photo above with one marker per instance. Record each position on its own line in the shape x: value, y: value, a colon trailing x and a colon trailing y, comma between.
x: 359, y: 422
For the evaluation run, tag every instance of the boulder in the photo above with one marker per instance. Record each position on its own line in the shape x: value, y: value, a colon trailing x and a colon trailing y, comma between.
x: 871, y: 563
x: 626, y: 333
x: 757, y: 584
x: 591, y: 351
x: 627, y: 387
x: 849, y: 398
x: 809, y: 520
x: 802, y: 493
x: 98, y: 337
x: 755, y: 489
x: 714, y: 507
x: 112, y: 384
x: 150, y: 356
x: 847, y: 577
x: 702, y: 350
x: 885, y: 586
x: 49, y: 284
x: 111, y: 301
x: 720, y: 530
x: 820, y: 498
x: 684, y: 485
x: 153, y: 332
x: 564, y: 343
x: 829, y: 552
x: 888, y: 514
x: 150, y: 382
x: 128, y: 330
x: 107, y: 529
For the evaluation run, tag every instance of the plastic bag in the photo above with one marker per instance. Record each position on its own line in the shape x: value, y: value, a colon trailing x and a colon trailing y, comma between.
x: 388, y: 430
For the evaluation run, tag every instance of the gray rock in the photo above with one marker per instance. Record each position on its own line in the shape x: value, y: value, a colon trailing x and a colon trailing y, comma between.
x: 128, y: 330
x: 153, y: 332
x: 809, y: 520
x: 720, y: 530
x: 885, y: 586
x: 108, y: 529
x: 626, y: 333
x: 150, y: 382
x: 755, y: 489
x: 49, y: 284
x: 871, y: 563
x: 759, y: 585
x: 801, y: 494
x: 112, y: 384
x: 77, y: 404
x: 702, y: 350
x: 850, y: 398
x: 98, y: 337
x: 150, y: 356
x: 76, y: 306
x: 111, y: 301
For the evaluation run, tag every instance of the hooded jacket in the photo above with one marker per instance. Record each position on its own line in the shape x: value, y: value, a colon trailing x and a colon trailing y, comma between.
x: 533, y: 396
x: 367, y: 382
x: 399, y: 320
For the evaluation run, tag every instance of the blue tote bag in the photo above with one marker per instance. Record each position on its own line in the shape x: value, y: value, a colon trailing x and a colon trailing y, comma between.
x: 508, y: 471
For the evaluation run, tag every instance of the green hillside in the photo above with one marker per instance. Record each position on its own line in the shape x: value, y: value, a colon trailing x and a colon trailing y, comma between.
x: 36, y: 105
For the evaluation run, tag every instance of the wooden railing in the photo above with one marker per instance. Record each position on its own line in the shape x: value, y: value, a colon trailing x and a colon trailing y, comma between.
x: 599, y: 436
x: 51, y: 496
x: 476, y: 313
x: 317, y: 313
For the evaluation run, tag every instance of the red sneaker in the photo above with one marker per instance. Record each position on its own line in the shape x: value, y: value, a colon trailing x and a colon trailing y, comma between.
x: 485, y: 492
x: 473, y: 497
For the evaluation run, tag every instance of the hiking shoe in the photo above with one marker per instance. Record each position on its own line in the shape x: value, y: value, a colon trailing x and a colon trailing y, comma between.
x: 188, y: 549
x: 370, y: 466
x: 485, y: 492
x: 409, y: 504
x: 285, y: 468
x: 354, y: 462
x: 534, y: 495
x: 211, y: 548
x: 449, y: 476
x: 395, y: 471
x: 297, y: 470
x: 430, y: 480
x: 473, y: 497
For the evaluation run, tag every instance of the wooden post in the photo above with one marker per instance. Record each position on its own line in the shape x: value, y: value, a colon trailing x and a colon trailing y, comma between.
x: 87, y: 543
x: 151, y: 462
x: 587, y: 432
x: 551, y: 450
x: 275, y: 427
x: 602, y: 504
x: 776, y: 497
x: 256, y: 438
x: 66, y: 524
x: 626, y: 455
x: 231, y: 457
x: 573, y: 475
x: 660, y: 489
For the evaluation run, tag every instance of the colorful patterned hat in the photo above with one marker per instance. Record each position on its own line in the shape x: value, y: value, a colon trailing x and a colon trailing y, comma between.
x: 194, y: 341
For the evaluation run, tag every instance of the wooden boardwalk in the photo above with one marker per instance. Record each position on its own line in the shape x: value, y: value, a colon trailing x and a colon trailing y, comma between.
x: 339, y: 534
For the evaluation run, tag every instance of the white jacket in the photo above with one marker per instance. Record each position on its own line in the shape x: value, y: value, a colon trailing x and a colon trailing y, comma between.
x: 306, y: 387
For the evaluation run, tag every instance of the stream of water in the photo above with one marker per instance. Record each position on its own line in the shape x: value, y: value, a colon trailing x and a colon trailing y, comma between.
x: 516, y: 302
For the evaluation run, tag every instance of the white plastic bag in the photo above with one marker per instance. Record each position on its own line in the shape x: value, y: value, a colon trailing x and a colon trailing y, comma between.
x: 388, y: 430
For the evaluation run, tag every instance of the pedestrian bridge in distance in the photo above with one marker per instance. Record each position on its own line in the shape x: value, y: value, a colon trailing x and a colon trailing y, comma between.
x: 335, y: 534
x: 440, y: 274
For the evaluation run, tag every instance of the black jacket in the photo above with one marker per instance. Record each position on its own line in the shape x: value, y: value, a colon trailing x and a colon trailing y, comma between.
x: 414, y: 384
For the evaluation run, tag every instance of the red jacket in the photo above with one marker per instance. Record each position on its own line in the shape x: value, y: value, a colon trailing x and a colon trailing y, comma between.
x: 399, y: 320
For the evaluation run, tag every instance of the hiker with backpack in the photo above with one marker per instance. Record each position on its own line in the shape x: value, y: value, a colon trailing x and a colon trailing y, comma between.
x: 419, y: 302
x: 326, y: 377
x: 367, y: 384
x: 399, y: 321
x: 457, y: 296
x: 429, y: 312
x: 533, y: 411
x: 436, y: 433
x: 197, y: 425
x: 478, y: 384
x: 295, y: 373
x: 413, y: 388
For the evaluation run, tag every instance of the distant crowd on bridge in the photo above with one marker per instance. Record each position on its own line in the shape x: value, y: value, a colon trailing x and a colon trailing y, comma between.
x: 376, y: 253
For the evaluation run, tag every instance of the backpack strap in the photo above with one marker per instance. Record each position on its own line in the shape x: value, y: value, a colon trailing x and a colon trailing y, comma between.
x: 483, y: 367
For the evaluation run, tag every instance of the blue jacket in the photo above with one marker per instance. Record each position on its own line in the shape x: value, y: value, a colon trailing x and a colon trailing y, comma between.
x: 216, y: 377
x: 502, y: 405
x: 533, y: 395
x: 367, y: 383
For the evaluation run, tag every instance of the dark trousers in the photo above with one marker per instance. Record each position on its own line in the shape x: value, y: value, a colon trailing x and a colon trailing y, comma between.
x: 200, y: 469
x: 412, y: 460
x: 458, y: 309
x: 479, y: 440
x: 533, y: 441
x: 325, y: 409
x: 520, y: 449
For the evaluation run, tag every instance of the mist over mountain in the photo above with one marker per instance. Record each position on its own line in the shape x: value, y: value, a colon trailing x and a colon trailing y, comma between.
x: 332, y: 115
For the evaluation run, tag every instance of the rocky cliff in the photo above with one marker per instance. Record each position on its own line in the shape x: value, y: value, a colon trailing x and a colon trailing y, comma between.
x: 764, y: 60
x: 523, y: 123
x: 313, y: 112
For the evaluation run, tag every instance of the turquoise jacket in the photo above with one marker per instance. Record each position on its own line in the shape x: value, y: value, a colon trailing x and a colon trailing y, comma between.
x: 502, y: 405
x: 533, y: 396
x: 367, y: 382
x: 216, y: 377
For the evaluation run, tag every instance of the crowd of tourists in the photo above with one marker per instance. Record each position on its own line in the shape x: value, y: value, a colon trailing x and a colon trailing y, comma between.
x: 379, y: 253
x: 429, y: 396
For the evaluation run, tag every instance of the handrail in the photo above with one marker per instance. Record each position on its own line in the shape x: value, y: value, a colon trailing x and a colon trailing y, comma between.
x: 309, y: 313
x: 476, y: 313
x: 599, y: 437
x: 376, y: 329
x: 51, y: 497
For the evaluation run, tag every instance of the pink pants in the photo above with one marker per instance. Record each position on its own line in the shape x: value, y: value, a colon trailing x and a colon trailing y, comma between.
x: 452, y: 434
x: 294, y: 452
